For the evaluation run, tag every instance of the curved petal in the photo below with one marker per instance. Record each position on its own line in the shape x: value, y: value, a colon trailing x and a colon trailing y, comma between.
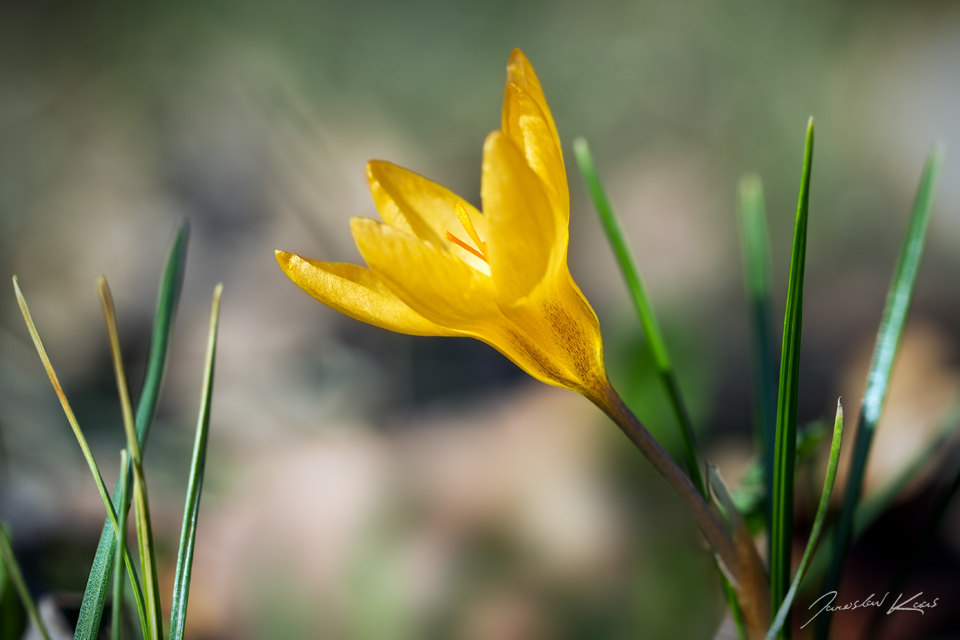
x: 411, y: 203
x: 522, y: 225
x: 358, y: 293
x: 433, y: 282
x: 525, y: 123
x: 520, y: 72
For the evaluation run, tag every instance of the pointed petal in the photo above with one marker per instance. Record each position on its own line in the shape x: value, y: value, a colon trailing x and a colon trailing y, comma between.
x: 412, y: 203
x: 527, y: 126
x: 431, y: 281
x: 522, y: 225
x: 358, y: 293
x: 520, y: 72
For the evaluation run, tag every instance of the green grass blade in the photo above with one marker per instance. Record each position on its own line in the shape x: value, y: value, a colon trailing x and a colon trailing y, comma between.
x: 118, y: 577
x: 785, y: 441
x: 168, y: 296
x: 638, y: 293
x: 818, y: 521
x: 641, y: 301
x: 12, y: 613
x: 892, y: 324
x: 148, y: 565
x: 181, y: 584
x: 81, y: 440
x: 16, y: 577
x: 872, y: 506
x: 755, y: 246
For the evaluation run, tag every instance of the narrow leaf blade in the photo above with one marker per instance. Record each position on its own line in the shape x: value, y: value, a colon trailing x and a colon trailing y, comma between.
x: 148, y: 566
x: 641, y: 301
x: 755, y: 247
x: 118, y: 578
x: 181, y: 584
x: 168, y: 297
x: 892, y: 323
x: 785, y: 441
x: 818, y: 521
x: 9, y: 561
x: 81, y: 440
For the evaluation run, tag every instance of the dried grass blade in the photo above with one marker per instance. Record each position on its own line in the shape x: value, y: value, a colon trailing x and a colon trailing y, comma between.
x: 148, y: 565
x: 84, y: 447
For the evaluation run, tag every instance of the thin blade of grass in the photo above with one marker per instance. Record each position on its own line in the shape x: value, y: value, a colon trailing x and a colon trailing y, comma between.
x: 818, y: 521
x: 785, y: 441
x: 641, y: 301
x: 651, y: 327
x: 118, y: 577
x: 148, y: 564
x: 181, y: 584
x: 168, y: 296
x: 755, y: 247
x: 875, y: 504
x: 16, y: 577
x: 3, y: 582
x: 892, y: 323
x: 12, y: 612
x: 84, y: 447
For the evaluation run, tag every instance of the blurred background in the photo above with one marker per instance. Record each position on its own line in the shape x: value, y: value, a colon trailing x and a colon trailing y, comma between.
x: 367, y: 485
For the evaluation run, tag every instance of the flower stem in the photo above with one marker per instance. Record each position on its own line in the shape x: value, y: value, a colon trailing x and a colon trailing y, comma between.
x: 710, y: 526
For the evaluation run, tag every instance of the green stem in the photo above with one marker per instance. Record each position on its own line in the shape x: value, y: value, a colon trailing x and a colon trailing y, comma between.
x: 708, y: 522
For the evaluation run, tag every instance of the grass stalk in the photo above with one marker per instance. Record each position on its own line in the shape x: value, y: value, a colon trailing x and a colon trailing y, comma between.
x: 755, y: 247
x: 148, y: 565
x: 118, y: 577
x: 168, y: 296
x: 651, y: 327
x: 785, y: 442
x: 641, y: 302
x: 84, y: 447
x: 818, y: 522
x: 181, y: 584
x: 892, y: 323
x: 9, y: 561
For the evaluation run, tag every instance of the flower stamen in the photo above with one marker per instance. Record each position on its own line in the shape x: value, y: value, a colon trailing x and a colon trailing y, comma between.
x: 471, y: 231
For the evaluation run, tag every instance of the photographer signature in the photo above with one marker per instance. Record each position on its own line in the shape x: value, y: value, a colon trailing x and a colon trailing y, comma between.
x: 911, y: 604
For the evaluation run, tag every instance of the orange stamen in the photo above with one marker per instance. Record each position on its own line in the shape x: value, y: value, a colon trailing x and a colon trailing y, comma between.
x: 471, y: 231
x: 460, y: 243
x: 468, y: 226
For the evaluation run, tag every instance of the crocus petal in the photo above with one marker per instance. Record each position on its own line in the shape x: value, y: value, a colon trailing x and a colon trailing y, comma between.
x: 433, y: 282
x: 527, y: 126
x: 358, y: 293
x: 520, y: 72
x: 521, y: 220
x: 411, y: 203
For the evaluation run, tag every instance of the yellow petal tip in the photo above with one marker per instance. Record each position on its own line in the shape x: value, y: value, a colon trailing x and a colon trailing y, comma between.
x: 284, y: 258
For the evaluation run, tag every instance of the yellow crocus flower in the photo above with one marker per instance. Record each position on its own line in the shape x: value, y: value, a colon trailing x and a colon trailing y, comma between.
x: 439, y: 267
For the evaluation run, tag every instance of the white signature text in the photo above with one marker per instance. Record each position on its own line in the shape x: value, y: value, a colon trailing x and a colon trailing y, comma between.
x: 899, y: 604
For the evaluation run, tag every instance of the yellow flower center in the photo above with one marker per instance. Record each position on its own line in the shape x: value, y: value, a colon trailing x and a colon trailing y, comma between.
x: 464, y: 217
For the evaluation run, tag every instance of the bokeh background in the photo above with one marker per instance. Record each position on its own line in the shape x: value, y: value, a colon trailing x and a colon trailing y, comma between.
x: 372, y: 486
